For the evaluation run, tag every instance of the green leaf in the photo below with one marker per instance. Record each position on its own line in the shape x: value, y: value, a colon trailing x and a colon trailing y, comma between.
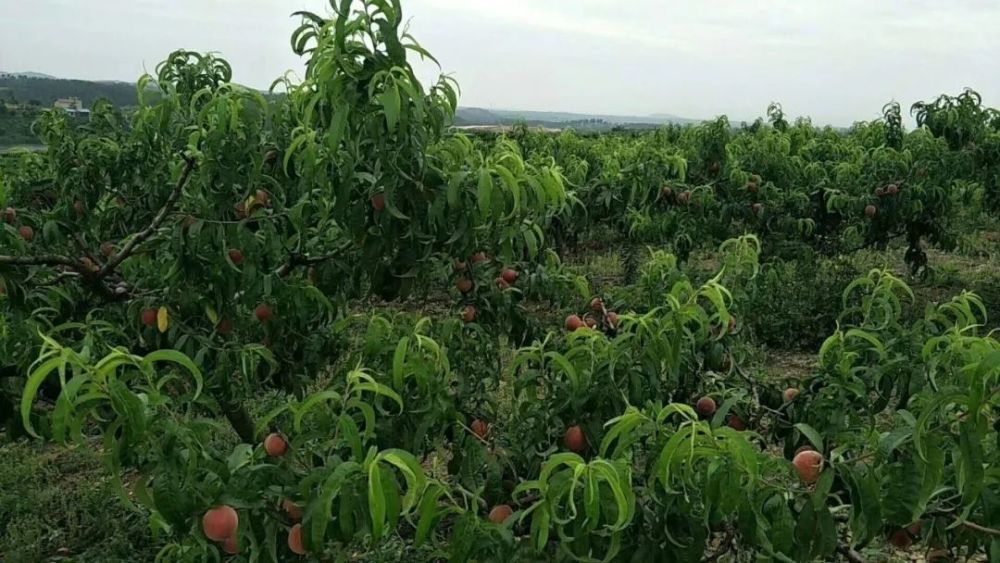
x: 128, y: 406
x: 180, y: 359
x: 485, y: 193
x: 352, y: 435
x: 34, y: 381
x: 321, y: 509
x: 390, y: 105
x: 413, y: 474
x: 812, y: 435
x: 398, y: 362
x: 312, y: 402
x: 376, y: 500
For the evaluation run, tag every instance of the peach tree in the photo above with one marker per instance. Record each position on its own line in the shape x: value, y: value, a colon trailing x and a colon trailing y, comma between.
x: 233, y: 226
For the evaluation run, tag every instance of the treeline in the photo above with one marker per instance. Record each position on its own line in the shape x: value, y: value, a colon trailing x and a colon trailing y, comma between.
x: 15, y: 126
x: 45, y: 91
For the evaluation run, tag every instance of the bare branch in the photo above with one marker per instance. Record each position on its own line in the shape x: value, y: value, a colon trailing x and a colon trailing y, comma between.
x: 979, y: 528
x: 849, y: 554
x: 161, y: 216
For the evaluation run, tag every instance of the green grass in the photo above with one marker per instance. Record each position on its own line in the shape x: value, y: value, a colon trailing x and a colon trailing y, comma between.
x: 58, y: 504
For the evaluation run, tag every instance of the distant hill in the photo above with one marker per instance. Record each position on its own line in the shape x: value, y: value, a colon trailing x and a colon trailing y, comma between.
x: 44, y: 90
x: 472, y: 116
x: 27, y: 87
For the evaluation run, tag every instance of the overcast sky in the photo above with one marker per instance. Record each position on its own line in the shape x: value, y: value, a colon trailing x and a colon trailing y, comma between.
x: 837, y: 61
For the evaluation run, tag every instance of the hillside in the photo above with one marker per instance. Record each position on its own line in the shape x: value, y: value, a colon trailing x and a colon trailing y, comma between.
x: 31, y: 88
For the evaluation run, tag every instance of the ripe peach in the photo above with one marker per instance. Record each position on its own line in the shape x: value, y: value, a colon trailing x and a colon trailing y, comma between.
x: 808, y: 464
x: 460, y: 266
x: 901, y: 539
x: 88, y: 264
x: 509, y: 275
x: 502, y: 283
x: 464, y: 285
x: 757, y: 208
x: 574, y: 439
x: 469, y: 314
x: 230, y: 546
x: 735, y: 422
x: 236, y: 256
x: 574, y: 322
x: 480, y: 428
x: 292, y: 510
x: 264, y: 313
x: 500, y: 514
x: 107, y: 249
x: 378, y: 202
x: 224, y: 327
x: 478, y: 258
x: 263, y: 198
x: 597, y: 305
x: 870, y: 211
x: 79, y: 208
x: 9, y: 215
x: 790, y: 394
x: 705, y: 406
x: 148, y: 317
x: 275, y: 445
x: 220, y: 523
x: 295, y: 540
x: 27, y: 233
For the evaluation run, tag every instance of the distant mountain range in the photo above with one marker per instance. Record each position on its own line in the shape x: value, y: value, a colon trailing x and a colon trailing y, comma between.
x: 45, y: 90
x: 560, y: 119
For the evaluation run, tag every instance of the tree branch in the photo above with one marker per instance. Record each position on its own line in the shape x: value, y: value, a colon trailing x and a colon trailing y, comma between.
x: 116, y: 259
x: 970, y: 525
x: 296, y: 260
x: 42, y: 260
x: 849, y: 554
x: 983, y: 529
